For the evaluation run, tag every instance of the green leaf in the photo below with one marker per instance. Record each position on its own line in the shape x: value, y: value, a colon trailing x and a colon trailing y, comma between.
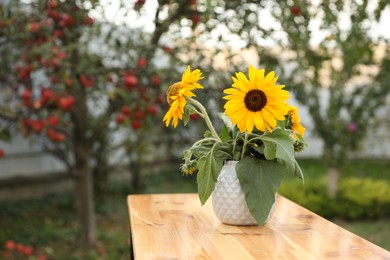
x: 278, y: 145
x: 5, y: 135
x: 224, y: 135
x: 298, y: 171
x: 186, y: 116
x: 200, y: 151
x: 187, y: 154
x: 269, y: 150
x: 259, y: 180
x: 188, y: 111
x: 207, y: 134
x: 42, y: 5
x: 209, y: 167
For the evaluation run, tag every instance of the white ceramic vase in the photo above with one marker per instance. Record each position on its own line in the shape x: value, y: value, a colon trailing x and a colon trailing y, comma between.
x: 228, y: 199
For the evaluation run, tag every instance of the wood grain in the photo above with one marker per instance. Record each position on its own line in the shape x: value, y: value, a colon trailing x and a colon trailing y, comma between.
x: 176, y: 226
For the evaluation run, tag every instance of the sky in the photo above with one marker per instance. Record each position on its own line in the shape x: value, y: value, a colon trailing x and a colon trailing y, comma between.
x: 117, y: 15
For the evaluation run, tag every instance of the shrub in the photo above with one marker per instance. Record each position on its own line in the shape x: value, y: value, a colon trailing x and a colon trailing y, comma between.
x: 358, y: 198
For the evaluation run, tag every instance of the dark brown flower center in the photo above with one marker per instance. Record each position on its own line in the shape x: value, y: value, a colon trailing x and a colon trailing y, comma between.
x: 173, y: 90
x: 255, y: 100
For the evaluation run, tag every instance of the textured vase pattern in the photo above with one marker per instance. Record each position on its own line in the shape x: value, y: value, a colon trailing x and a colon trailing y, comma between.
x: 228, y: 199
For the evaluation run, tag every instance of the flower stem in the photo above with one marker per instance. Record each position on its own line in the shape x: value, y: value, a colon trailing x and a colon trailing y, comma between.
x: 202, y: 141
x: 244, y: 146
x: 206, y: 117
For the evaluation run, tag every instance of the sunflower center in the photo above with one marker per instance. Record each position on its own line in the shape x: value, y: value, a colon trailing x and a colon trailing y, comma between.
x: 255, y: 100
x: 173, y: 90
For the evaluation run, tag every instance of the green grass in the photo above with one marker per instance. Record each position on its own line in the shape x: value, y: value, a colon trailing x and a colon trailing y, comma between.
x: 49, y: 225
x: 169, y: 181
x: 374, y: 169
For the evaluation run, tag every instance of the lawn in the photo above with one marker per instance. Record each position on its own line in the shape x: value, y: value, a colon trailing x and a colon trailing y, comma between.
x: 49, y: 227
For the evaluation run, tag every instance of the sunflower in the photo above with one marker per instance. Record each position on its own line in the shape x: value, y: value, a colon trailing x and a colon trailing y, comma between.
x: 177, y: 94
x: 257, y: 102
x: 296, y: 125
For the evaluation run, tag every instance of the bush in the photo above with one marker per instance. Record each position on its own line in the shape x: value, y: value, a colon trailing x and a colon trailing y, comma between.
x: 358, y: 198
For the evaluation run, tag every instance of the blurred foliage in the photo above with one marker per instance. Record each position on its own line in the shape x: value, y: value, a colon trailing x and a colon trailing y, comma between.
x: 363, y: 191
x: 51, y: 229
x: 341, y: 75
x: 371, y: 202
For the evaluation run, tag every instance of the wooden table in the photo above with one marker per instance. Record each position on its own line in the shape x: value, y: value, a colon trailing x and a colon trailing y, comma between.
x: 175, y: 226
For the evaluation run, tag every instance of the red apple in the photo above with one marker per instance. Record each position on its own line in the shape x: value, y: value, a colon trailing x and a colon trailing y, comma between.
x: 27, y: 251
x: 138, y: 114
x: 152, y: 110
x: 53, y: 120
x: 195, y: 18
x: 58, y: 33
x: 2, y: 155
x: 130, y: 81
x: 34, y: 27
x: 2, y: 24
x: 62, y: 55
x: 87, y: 81
x: 66, y: 20
x: 51, y: 133
x: 136, y: 124
x: 19, y: 247
x: 168, y: 49
x: 48, y: 23
x: 24, y: 73
x: 55, y: 62
x: 120, y: 118
x: 59, y: 137
x: 195, y: 116
x: 9, y: 244
x: 295, y: 10
x: 142, y: 62
x: 52, y: 4
x: 41, y: 257
x: 125, y: 110
x: 139, y: 4
x: 46, y: 95
x: 26, y: 95
x: 159, y: 100
x: 156, y: 80
x: 39, y: 125
x: 53, y: 14
x: 66, y: 102
x: 69, y: 82
x: 88, y: 20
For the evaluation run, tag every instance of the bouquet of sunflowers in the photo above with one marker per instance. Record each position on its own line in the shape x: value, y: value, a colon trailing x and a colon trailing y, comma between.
x: 261, y: 131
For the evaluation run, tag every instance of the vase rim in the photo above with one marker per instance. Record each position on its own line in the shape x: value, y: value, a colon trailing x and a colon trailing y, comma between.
x: 230, y: 163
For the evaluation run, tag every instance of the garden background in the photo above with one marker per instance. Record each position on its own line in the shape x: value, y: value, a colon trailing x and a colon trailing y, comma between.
x: 82, y: 97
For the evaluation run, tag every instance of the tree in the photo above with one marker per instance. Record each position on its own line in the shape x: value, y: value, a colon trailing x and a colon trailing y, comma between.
x: 343, y: 79
x: 66, y: 95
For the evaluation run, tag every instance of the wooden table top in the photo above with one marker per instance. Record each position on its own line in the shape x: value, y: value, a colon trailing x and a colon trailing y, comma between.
x: 176, y: 226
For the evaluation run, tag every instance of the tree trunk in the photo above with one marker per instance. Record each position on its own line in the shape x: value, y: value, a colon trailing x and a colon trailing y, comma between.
x: 333, y: 181
x: 135, y: 174
x: 84, y: 179
x: 85, y: 200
